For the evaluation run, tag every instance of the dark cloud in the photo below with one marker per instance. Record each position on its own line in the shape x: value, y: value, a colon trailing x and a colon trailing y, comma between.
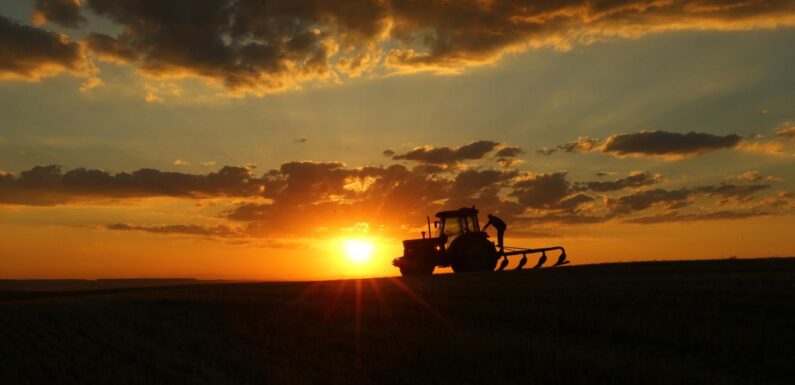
x: 675, y: 199
x: 301, y: 140
x: 508, y: 156
x: 254, y: 46
x: 470, y: 182
x: 425, y: 168
x: 645, y: 199
x: 63, y: 12
x: 582, y: 144
x: 732, y: 191
x: 635, y: 179
x: 388, y: 153
x: 667, y: 143
x: 603, y: 174
x: 110, y: 49
x: 548, y: 191
x: 250, y: 46
x: 574, y: 201
x: 447, y: 155
x: 509, y: 152
x: 31, y: 53
x: 47, y: 185
x: 650, y: 143
x: 452, y: 36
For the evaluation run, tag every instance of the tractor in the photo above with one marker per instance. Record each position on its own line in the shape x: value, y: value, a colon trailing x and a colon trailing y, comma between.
x: 462, y: 244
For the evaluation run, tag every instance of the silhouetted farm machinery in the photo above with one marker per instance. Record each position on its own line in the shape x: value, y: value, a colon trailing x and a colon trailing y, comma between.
x: 462, y: 244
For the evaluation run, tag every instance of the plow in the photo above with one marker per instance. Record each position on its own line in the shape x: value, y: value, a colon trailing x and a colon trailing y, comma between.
x: 460, y: 243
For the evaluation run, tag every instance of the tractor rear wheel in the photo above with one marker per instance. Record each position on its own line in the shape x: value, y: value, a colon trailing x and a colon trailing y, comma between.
x: 473, y: 252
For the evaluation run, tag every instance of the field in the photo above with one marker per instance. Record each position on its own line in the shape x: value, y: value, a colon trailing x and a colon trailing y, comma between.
x: 706, y: 322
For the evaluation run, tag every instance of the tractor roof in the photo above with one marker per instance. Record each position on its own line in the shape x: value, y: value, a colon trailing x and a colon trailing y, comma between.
x: 462, y: 212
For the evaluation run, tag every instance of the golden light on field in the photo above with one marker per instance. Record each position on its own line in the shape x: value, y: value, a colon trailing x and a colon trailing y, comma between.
x: 358, y: 250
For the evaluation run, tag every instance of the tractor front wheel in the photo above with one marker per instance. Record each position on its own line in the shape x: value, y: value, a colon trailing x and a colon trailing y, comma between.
x: 416, y: 270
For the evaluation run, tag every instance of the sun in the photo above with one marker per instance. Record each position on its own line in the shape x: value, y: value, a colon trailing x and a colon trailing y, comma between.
x: 358, y: 250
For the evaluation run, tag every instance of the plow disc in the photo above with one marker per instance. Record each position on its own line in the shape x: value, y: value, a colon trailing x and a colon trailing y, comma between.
x: 509, y: 251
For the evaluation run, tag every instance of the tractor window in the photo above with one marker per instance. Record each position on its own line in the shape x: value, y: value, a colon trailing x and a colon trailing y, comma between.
x: 452, y: 226
x: 468, y: 224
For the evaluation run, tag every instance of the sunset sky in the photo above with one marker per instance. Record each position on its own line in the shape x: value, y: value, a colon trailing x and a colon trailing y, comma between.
x: 253, y: 139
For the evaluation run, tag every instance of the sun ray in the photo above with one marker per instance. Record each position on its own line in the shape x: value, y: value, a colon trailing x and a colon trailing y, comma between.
x: 422, y: 301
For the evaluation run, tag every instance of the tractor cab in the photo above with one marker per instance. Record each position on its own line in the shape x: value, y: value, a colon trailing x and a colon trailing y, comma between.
x: 457, y: 222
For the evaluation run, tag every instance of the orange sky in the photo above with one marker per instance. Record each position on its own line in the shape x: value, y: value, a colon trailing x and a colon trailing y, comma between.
x: 132, y: 146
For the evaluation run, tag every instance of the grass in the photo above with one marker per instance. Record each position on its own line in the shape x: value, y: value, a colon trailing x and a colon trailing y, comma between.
x: 705, y: 322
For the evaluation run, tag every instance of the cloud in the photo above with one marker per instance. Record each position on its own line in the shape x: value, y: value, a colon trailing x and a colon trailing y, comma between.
x: 710, y: 216
x: 676, y: 199
x: 645, y: 199
x: 48, y: 185
x: 469, y: 182
x: 62, y: 12
x: 307, y: 197
x: 425, y: 168
x: 786, y: 131
x: 547, y: 191
x: 29, y: 53
x: 448, y: 155
x: 219, y: 231
x: 582, y: 144
x: 110, y: 49
x: 322, y: 199
x: 667, y: 145
x: 731, y: 191
x: 508, y: 156
x: 635, y: 179
x: 751, y: 176
x: 257, y: 47
x: 445, y: 38
x: 602, y: 174
x: 90, y: 84
x: 250, y: 47
x: 754, y: 176
x: 509, y: 152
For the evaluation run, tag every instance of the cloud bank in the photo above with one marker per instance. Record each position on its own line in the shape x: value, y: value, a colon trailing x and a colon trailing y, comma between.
x: 254, y: 46
x: 316, y: 199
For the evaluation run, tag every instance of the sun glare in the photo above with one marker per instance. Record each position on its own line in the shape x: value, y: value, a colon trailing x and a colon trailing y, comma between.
x: 358, y: 250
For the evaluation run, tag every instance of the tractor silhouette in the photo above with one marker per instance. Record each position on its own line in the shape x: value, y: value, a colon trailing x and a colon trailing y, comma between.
x: 462, y: 244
